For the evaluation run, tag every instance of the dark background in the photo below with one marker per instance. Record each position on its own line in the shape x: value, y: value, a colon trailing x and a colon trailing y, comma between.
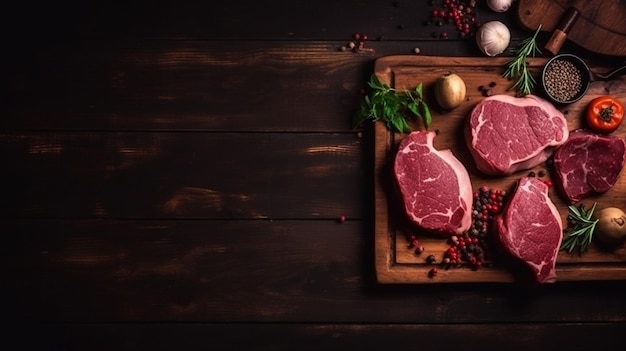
x: 172, y: 175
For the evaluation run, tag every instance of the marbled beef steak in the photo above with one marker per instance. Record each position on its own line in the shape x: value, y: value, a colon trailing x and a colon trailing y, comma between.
x: 506, y: 134
x: 530, y: 228
x: 588, y: 164
x: 434, y: 185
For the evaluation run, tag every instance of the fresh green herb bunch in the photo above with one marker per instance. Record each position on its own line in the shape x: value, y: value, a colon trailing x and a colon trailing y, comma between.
x: 393, y: 107
x: 581, y: 228
x: 517, y: 68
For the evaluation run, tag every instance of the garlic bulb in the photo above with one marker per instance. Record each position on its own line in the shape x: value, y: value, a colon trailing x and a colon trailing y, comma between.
x: 493, y: 38
x: 499, y: 5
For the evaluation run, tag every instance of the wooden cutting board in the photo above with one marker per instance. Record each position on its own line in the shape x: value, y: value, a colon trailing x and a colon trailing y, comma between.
x: 395, y: 262
x: 601, y: 27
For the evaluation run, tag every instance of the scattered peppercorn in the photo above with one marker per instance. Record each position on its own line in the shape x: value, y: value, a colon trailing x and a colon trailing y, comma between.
x: 486, y: 91
x: 341, y: 219
x: 433, y: 272
x: 472, y: 247
x: 357, y: 45
x: 457, y: 13
x: 413, y: 242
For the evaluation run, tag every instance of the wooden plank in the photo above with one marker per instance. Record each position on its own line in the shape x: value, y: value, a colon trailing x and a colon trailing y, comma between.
x: 130, y: 85
x: 181, y: 175
x: 326, y: 336
x: 179, y: 270
x: 169, y: 85
x: 238, y: 271
x: 395, y: 262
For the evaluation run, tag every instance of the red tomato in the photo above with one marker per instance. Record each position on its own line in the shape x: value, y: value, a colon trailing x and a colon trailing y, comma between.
x: 604, y: 114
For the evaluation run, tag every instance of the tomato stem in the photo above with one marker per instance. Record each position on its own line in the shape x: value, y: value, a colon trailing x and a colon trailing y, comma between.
x: 606, y: 113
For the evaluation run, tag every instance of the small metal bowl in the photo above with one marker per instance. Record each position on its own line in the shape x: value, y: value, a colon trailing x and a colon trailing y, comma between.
x: 585, y: 78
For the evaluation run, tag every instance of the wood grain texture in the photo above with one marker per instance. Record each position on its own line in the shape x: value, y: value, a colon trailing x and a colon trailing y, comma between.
x: 181, y: 175
x: 172, y: 176
x: 398, y: 264
x: 193, y: 85
x: 324, y: 336
x: 595, y: 30
x: 238, y: 271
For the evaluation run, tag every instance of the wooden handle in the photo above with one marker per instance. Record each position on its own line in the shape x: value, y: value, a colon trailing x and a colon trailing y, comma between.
x: 560, y: 33
x: 555, y: 42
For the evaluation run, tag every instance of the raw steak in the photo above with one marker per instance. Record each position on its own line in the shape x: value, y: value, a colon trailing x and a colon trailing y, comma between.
x: 506, y: 134
x: 588, y: 164
x: 530, y: 228
x: 434, y: 185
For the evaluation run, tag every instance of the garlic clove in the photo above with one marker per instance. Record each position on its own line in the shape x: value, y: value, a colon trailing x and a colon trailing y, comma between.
x: 493, y: 38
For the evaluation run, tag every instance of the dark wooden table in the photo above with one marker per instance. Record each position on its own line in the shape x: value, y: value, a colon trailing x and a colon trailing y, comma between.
x: 173, y: 175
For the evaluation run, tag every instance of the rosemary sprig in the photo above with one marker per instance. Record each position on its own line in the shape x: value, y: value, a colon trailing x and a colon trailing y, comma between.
x: 392, y: 107
x: 517, y: 68
x: 581, y: 228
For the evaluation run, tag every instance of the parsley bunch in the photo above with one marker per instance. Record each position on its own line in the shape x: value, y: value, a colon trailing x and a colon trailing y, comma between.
x: 392, y: 107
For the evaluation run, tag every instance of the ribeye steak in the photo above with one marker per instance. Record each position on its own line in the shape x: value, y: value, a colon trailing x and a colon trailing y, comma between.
x: 530, y: 228
x: 434, y: 185
x: 588, y: 164
x: 506, y: 134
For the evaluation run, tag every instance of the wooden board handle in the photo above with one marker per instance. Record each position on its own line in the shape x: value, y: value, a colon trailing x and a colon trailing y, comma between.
x: 560, y: 33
